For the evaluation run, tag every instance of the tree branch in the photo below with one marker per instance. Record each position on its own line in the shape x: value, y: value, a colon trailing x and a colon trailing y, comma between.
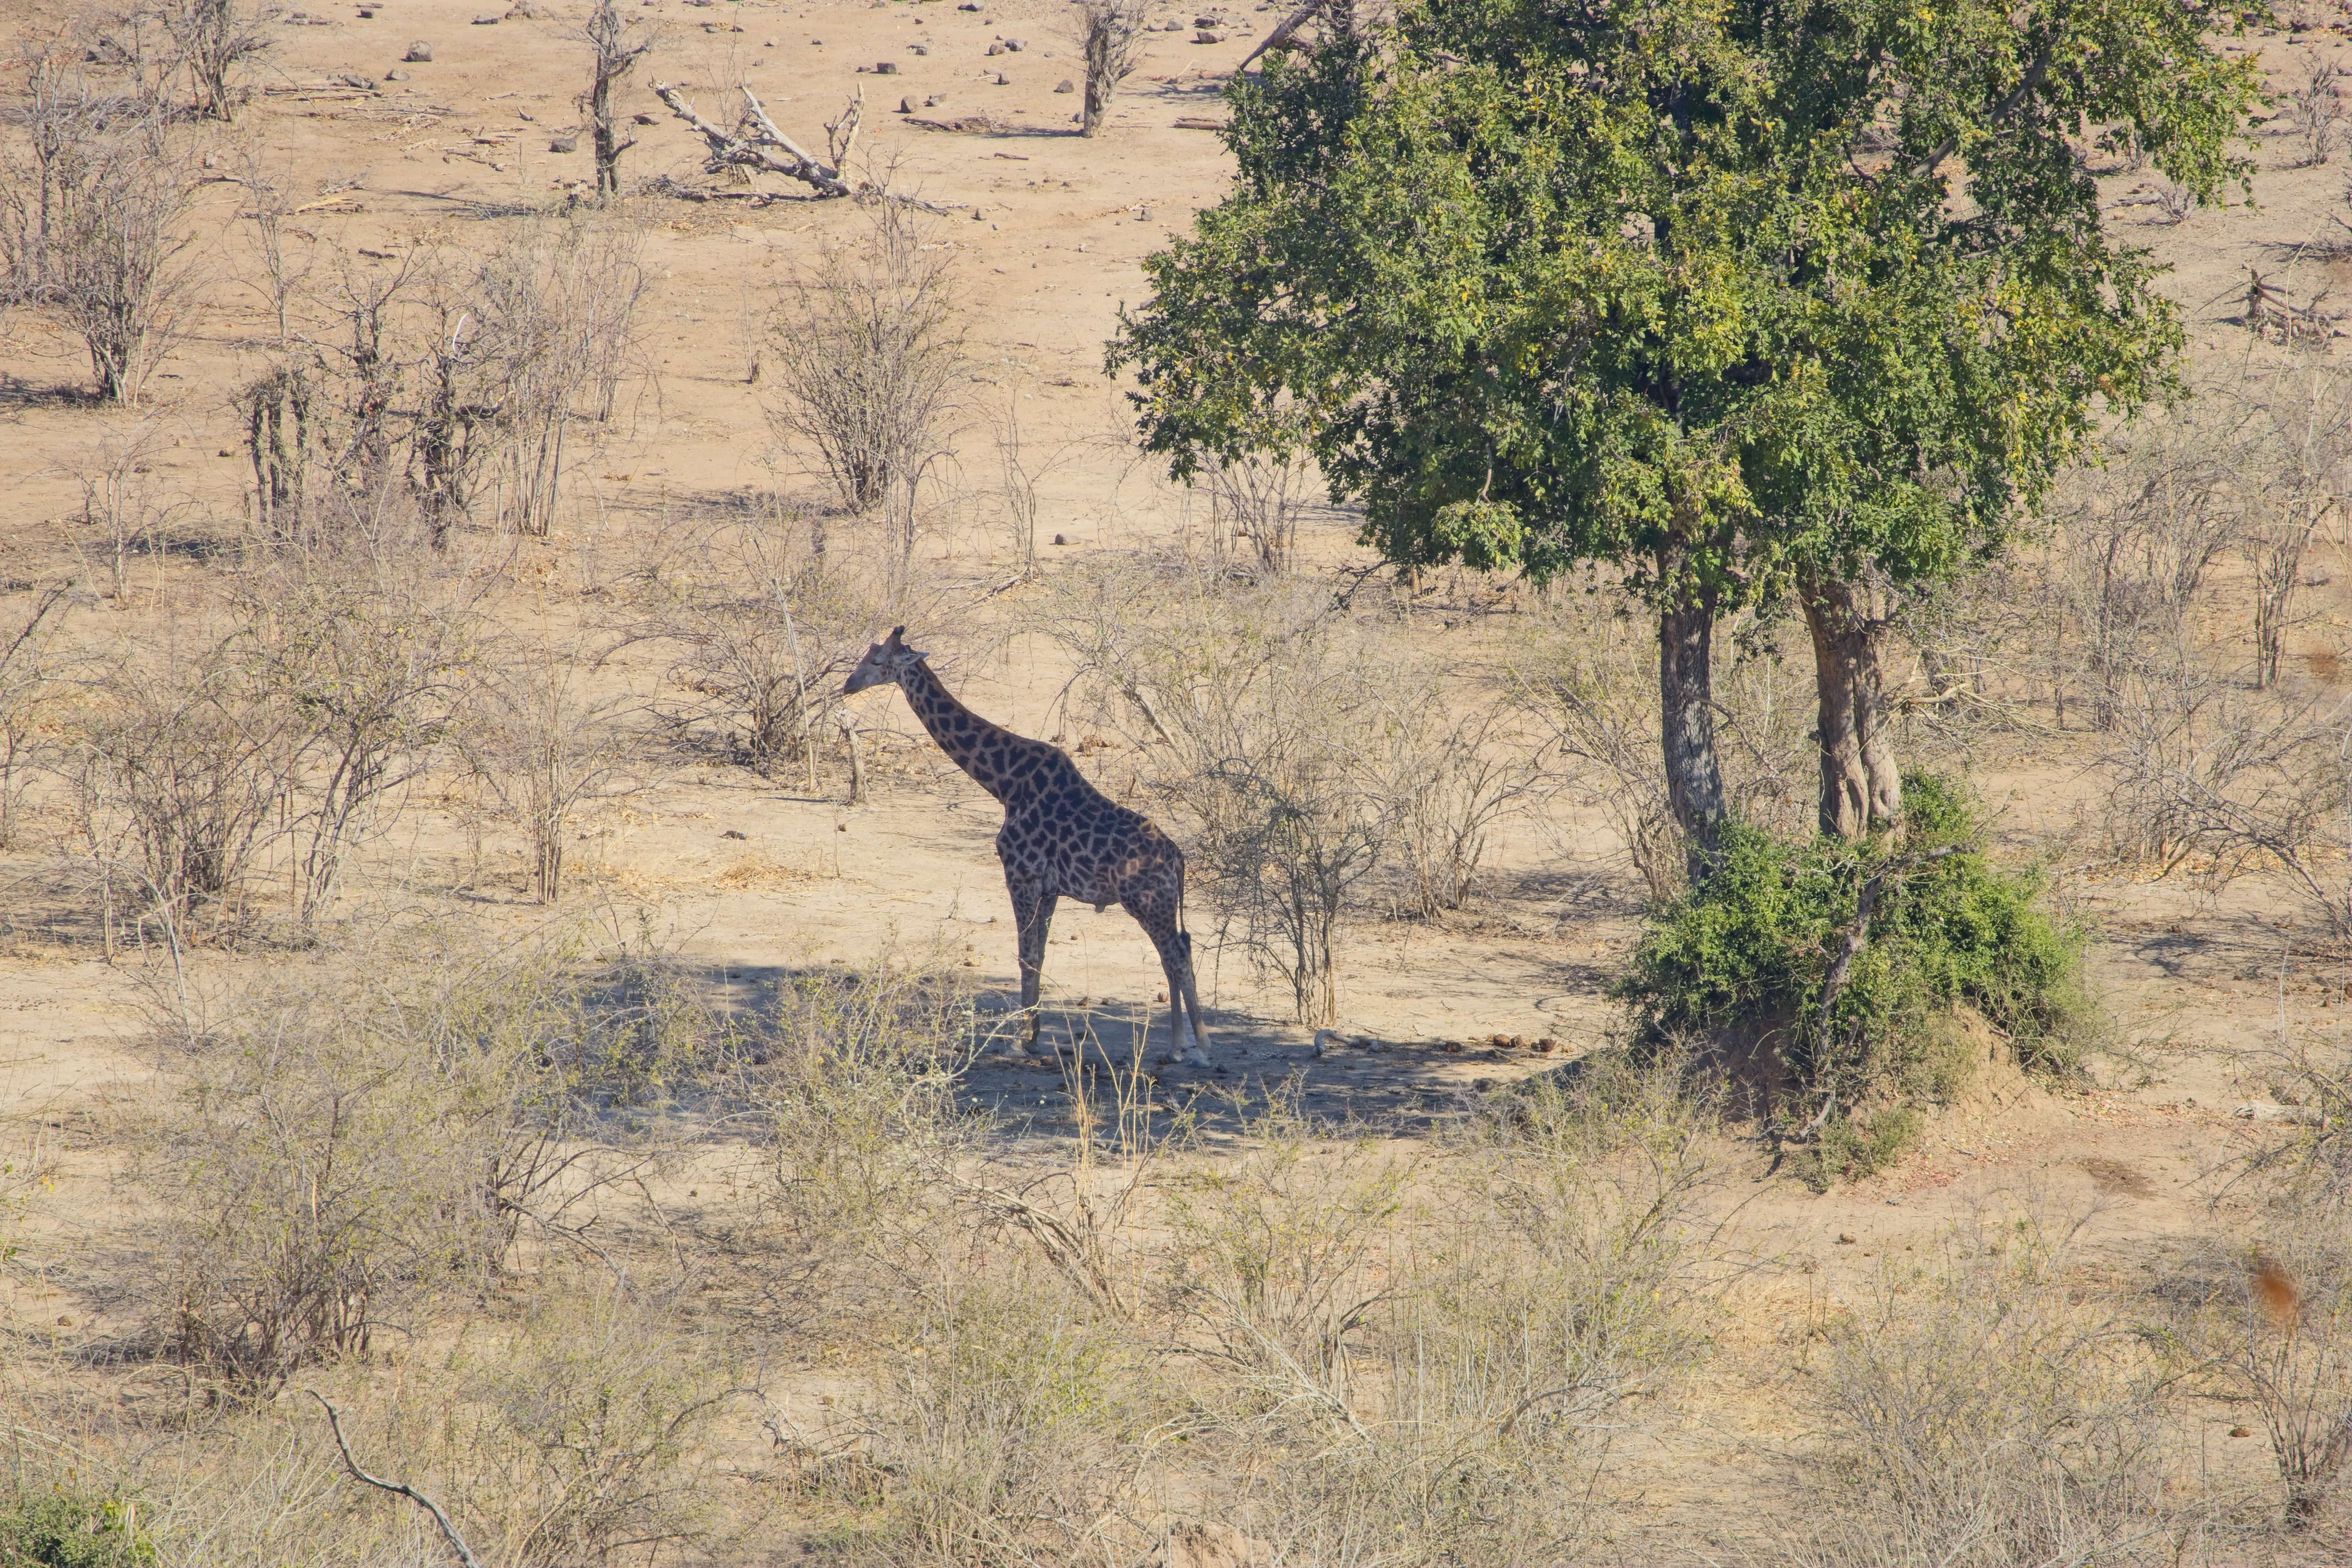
x: 398, y: 1489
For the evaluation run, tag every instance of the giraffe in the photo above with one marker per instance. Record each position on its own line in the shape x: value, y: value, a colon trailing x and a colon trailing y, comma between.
x: 1062, y: 838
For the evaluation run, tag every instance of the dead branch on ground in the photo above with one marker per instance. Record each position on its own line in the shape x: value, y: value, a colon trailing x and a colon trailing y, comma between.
x: 756, y: 143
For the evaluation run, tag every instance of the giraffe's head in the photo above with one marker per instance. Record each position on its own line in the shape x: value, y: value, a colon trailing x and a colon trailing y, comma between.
x: 885, y: 661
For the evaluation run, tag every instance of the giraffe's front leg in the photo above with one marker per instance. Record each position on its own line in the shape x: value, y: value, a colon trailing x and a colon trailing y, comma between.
x: 1033, y: 917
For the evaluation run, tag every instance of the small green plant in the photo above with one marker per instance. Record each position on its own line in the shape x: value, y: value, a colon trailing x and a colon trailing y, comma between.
x: 62, y: 1528
x: 1839, y: 975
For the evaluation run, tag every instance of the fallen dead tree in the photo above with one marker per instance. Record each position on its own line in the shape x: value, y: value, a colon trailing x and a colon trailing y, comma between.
x: 755, y: 143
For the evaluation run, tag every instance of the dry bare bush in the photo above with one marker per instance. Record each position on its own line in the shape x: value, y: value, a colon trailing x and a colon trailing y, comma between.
x: 1978, y: 1411
x: 585, y: 1434
x: 1260, y: 501
x: 179, y: 766
x: 2315, y: 111
x: 1452, y: 776
x: 537, y: 334
x: 765, y: 624
x: 2135, y: 543
x: 869, y: 362
x: 89, y: 221
x: 1109, y: 34
x: 216, y: 40
x: 26, y: 672
x: 2293, y: 472
x: 126, y: 510
x: 545, y: 739
x: 370, y: 647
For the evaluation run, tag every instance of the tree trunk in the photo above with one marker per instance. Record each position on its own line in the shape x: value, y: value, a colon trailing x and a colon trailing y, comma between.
x: 1687, y: 725
x: 1862, y: 788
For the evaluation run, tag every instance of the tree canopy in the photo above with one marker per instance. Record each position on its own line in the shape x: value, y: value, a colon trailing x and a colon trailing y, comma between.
x: 1716, y: 290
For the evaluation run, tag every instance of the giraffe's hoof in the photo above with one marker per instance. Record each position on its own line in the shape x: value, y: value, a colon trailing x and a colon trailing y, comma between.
x: 1195, y: 1057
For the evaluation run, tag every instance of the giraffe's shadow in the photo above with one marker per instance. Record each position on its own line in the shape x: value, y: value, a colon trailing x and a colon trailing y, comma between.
x: 1086, y: 1057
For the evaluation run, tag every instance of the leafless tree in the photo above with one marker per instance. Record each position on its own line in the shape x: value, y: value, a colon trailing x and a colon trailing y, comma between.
x: 24, y: 674
x: 89, y: 222
x: 1110, y: 34
x: 215, y: 40
x: 2293, y: 476
x: 613, y: 53
x: 869, y: 361
x: 545, y: 743
x: 2315, y: 111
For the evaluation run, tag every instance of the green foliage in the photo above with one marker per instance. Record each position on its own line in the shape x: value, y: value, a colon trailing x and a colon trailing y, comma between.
x: 1751, y: 954
x: 60, y: 1529
x: 1716, y: 291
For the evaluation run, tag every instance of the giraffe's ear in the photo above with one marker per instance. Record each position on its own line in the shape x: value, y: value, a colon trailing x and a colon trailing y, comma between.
x: 893, y: 641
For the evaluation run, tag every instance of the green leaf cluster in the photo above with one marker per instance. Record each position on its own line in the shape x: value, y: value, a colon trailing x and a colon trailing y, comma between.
x: 1748, y: 286
x: 1748, y: 956
x: 65, y: 1528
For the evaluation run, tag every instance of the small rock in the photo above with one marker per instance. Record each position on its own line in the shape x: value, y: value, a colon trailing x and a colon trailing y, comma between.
x: 1207, y: 21
x: 564, y: 144
x: 1065, y: 85
x: 1207, y: 37
x: 1452, y: 1047
x: 419, y: 53
x: 935, y: 99
x: 366, y: 84
x: 1519, y: 1042
x: 906, y: 106
x: 769, y: 45
x: 918, y: 48
x: 1016, y: 44
x: 816, y: 43
x: 969, y: 5
x: 486, y: 19
x: 1498, y: 1039
x: 367, y: 16
x: 2242, y: 1431
x: 226, y: 452
x: 644, y: 119
x: 975, y: 218
x: 1845, y: 1238
x: 1004, y: 80
x: 1482, y: 1085
x: 1057, y: 538
x: 1143, y: 215
x: 522, y: 114
x: 396, y: 76
x: 995, y: 49
x: 886, y: 67
x: 734, y: 833
x: 1546, y: 1044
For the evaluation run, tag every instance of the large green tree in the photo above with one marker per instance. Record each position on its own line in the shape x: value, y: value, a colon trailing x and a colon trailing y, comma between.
x: 1745, y: 298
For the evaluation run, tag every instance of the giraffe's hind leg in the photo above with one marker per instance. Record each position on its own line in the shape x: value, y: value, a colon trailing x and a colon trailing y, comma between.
x: 1188, y: 1042
x: 1033, y: 917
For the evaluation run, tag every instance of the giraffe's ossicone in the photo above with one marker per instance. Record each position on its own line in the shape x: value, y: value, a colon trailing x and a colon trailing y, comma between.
x: 1062, y: 838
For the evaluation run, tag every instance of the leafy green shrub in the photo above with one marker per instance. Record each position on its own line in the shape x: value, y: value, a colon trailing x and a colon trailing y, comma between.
x: 60, y: 1529
x: 1844, y: 966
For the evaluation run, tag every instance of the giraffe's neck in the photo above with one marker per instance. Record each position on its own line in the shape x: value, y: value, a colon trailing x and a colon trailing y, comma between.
x: 979, y: 748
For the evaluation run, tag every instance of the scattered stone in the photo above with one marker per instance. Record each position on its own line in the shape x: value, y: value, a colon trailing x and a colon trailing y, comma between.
x: 975, y: 218
x: 564, y: 144
x: 419, y: 53
x: 486, y: 19
x: 1452, y: 1047
x: 525, y: 11
x: 918, y: 48
x: 1546, y: 1044
x: 522, y: 114
x: 935, y: 99
x: 645, y: 120
x: 1498, y: 1039
x: 734, y: 833
x: 396, y: 76
x: 995, y: 50
x: 769, y: 45
x: 365, y: 83
x: 1016, y: 44
x: 1208, y: 35
x: 2242, y: 1431
x: 1065, y: 85
x: 1208, y: 21
x: 367, y: 16
x: 1004, y: 80
x: 226, y: 452
x: 906, y: 106
x: 1845, y: 1238
x: 969, y: 5
x: 886, y: 67
x: 1057, y: 538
